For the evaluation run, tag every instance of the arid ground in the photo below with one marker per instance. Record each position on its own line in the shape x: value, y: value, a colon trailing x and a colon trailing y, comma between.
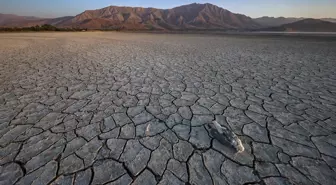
x: 126, y: 108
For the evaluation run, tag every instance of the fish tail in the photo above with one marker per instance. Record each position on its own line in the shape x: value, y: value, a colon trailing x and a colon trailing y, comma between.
x: 240, y: 147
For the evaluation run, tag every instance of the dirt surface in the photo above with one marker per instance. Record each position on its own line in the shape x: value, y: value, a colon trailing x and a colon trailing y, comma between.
x: 126, y: 108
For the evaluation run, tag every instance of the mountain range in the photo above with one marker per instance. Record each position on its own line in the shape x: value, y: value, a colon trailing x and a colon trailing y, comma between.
x: 278, y: 21
x: 10, y: 20
x: 187, y: 17
x: 305, y: 25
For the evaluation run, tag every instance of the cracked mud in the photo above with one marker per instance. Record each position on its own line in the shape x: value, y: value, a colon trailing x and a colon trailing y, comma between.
x: 122, y: 108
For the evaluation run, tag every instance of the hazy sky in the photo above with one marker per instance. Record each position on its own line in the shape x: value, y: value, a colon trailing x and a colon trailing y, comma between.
x: 253, y: 8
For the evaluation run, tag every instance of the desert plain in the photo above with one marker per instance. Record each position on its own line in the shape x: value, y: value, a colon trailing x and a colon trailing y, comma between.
x: 132, y: 108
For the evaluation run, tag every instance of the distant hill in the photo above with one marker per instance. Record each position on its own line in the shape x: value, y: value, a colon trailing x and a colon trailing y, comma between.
x: 275, y: 21
x: 60, y: 21
x: 278, y: 21
x: 10, y: 20
x: 329, y: 20
x: 192, y: 16
x: 306, y: 25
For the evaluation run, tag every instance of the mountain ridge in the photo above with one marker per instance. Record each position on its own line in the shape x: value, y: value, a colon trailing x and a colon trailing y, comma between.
x: 268, y: 21
x: 191, y: 16
x: 305, y: 25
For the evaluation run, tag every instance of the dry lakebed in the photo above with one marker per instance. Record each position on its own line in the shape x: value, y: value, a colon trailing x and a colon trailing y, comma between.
x: 132, y: 108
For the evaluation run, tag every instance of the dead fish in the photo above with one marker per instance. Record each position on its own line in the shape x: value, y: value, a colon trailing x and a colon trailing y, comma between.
x: 226, y: 136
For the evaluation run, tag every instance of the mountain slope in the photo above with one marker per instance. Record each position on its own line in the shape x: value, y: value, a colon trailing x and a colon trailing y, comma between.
x: 59, y: 21
x: 9, y: 20
x: 192, y: 16
x: 275, y: 21
x: 306, y: 25
x: 278, y: 21
x: 329, y: 20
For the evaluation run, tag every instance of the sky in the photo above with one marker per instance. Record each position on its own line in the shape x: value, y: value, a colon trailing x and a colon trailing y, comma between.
x: 252, y: 8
